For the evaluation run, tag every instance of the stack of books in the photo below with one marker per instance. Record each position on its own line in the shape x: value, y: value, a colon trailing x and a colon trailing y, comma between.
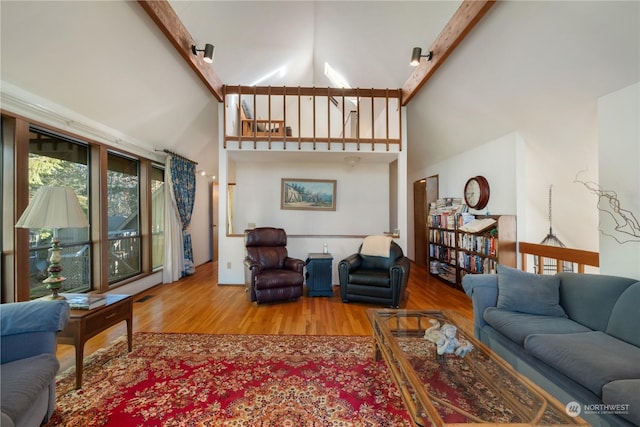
x: 85, y: 301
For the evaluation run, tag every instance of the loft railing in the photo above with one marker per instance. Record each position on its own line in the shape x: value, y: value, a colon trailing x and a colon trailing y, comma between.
x: 312, y: 115
x: 559, y: 254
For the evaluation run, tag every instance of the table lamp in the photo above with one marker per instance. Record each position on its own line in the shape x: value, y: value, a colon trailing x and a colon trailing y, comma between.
x: 54, y: 208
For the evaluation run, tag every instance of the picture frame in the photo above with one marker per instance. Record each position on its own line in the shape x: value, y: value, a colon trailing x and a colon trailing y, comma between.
x: 308, y: 194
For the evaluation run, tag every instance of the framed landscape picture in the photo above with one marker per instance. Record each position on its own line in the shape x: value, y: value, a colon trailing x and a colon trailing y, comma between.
x: 308, y: 194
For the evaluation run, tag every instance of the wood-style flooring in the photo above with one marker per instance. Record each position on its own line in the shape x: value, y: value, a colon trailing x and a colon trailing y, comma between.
x: 197, y: 304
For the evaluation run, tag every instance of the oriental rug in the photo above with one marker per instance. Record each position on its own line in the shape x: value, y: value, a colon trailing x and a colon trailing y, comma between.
x: 231, y: 380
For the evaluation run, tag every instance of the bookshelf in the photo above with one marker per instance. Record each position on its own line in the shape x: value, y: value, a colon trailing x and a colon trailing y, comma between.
x: 461, y: 243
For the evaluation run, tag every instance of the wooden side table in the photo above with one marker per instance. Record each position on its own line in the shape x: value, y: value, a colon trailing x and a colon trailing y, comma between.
x: 319, y: 274
x: 85, y: 324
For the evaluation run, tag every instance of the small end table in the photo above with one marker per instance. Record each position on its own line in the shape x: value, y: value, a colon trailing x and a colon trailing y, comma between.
x: 85, y: 324
x: 319, y: 274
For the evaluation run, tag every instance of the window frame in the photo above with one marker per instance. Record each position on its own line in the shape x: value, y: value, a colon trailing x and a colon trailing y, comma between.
x: 15, y: 189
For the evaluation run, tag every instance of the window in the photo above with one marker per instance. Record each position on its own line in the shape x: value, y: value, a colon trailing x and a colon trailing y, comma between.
x: 59, y: 161
x: 157, y: 216
x: 123, y: 216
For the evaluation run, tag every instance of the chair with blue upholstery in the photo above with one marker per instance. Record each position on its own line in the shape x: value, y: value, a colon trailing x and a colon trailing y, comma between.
x: 28, y: 364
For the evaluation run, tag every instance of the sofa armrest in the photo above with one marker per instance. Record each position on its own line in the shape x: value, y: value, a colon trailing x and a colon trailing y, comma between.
x: 31, y: 328
x: 483, y: 290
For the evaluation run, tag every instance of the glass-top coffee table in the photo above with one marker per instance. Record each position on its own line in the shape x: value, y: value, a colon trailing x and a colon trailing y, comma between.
x: 447, y: 390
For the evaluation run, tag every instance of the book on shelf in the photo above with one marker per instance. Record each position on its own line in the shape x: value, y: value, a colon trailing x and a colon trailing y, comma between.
x: 84, y: 301
x: 478, y: 225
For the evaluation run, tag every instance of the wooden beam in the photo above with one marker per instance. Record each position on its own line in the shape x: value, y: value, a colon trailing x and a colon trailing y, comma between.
x: 462, y: 22
x: 161, y: 12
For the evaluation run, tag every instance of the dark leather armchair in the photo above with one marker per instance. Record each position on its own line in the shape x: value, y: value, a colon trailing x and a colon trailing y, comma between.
x: 375, y: 279
x: 270, y: 274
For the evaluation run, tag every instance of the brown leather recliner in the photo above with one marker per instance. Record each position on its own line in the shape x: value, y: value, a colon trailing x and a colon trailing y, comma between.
x: 270, y: 274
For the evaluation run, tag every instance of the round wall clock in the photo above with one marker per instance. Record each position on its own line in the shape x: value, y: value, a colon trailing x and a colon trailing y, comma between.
x: 476, y: 192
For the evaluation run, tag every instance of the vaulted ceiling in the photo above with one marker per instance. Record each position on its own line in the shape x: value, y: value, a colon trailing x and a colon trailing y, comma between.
x: 525, y: 63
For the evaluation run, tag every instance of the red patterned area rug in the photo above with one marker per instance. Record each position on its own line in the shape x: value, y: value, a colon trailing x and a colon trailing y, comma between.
x: 232, y: 380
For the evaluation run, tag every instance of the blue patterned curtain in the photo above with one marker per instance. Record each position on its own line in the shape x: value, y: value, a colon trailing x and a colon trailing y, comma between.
x: 183, y: 177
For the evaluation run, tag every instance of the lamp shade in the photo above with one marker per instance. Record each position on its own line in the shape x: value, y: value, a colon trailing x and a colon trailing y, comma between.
x: 208, y: 53
x: 53, y: 207
x: 415, y: 56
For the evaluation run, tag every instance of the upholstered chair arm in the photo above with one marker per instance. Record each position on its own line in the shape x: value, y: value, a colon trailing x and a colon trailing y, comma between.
x: 351, y: 262
x: 31, y: 328
x: 294, y: 264
x: 252, y: 265
x: 483, y: 290
x: 252, y: 269
x: 399, y: 274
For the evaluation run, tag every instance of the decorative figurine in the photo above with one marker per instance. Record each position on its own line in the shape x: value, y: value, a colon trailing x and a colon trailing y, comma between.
x: 445, y: 339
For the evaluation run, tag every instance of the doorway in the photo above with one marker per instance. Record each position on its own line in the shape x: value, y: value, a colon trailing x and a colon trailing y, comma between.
x: 214, y: 221
x: 425, y: 191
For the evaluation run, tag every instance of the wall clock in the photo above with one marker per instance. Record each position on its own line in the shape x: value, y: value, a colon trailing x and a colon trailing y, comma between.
x: 476, y: 192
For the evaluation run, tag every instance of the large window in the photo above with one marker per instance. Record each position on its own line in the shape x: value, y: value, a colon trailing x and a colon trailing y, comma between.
x: 157, y: 216
x: 123, y: 207
x: 57, y: 161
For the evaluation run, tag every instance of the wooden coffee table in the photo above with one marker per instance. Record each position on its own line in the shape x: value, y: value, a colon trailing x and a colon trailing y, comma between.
x: 449, y: 390
x: 85, y: 324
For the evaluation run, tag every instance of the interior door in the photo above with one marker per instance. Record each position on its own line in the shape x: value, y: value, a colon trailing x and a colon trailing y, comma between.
x: 420, y: 221
x: 214, y: 222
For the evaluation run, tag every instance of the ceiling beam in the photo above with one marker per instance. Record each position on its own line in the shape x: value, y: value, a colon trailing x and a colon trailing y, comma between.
x: 161, y: 12
x: 460, y: 24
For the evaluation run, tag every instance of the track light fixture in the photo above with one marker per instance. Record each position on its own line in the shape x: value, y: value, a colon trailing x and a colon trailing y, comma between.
x: 417, y: 54
x: 208, y: 52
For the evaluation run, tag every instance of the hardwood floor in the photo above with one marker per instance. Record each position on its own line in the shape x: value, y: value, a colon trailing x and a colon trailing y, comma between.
x: 197, y: 304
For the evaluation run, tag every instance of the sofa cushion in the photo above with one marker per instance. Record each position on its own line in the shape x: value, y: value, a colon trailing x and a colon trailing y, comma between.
x: 23, y: 380
x: 625, y: 396
x: 592, y: 359
x: 528, y: 293
x: 625, y: 316
x: 518, y: 326
x: 589, y: 298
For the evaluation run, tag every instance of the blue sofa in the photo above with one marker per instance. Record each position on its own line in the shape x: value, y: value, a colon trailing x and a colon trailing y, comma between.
x: 28, y: 364
x: 575, y: 335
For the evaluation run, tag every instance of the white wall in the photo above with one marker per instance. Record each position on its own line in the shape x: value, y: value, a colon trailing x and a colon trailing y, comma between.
x: 520, y: 168
x: 362, y: 193
x: 619, y: 162
x: 500, y: 161
x: 361, y: 209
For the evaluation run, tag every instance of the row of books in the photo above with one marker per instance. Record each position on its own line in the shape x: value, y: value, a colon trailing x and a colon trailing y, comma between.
x: 443, y: 213
x: 442, y: 253
x: 84, y: 301
x: 476, y: 263
x: 441, y: 237
x: 487, y: 245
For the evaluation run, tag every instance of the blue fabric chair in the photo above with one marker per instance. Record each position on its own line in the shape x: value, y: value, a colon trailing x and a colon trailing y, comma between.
x: 28, y: 364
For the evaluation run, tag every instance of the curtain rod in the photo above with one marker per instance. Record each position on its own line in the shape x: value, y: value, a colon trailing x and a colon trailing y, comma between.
x: 178, y: 155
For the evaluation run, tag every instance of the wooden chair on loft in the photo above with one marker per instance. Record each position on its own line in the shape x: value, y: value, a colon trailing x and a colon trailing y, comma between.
x: 253, y: 127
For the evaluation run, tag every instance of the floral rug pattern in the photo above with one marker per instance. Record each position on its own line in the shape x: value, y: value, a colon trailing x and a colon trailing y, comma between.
x: 232, y: 380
